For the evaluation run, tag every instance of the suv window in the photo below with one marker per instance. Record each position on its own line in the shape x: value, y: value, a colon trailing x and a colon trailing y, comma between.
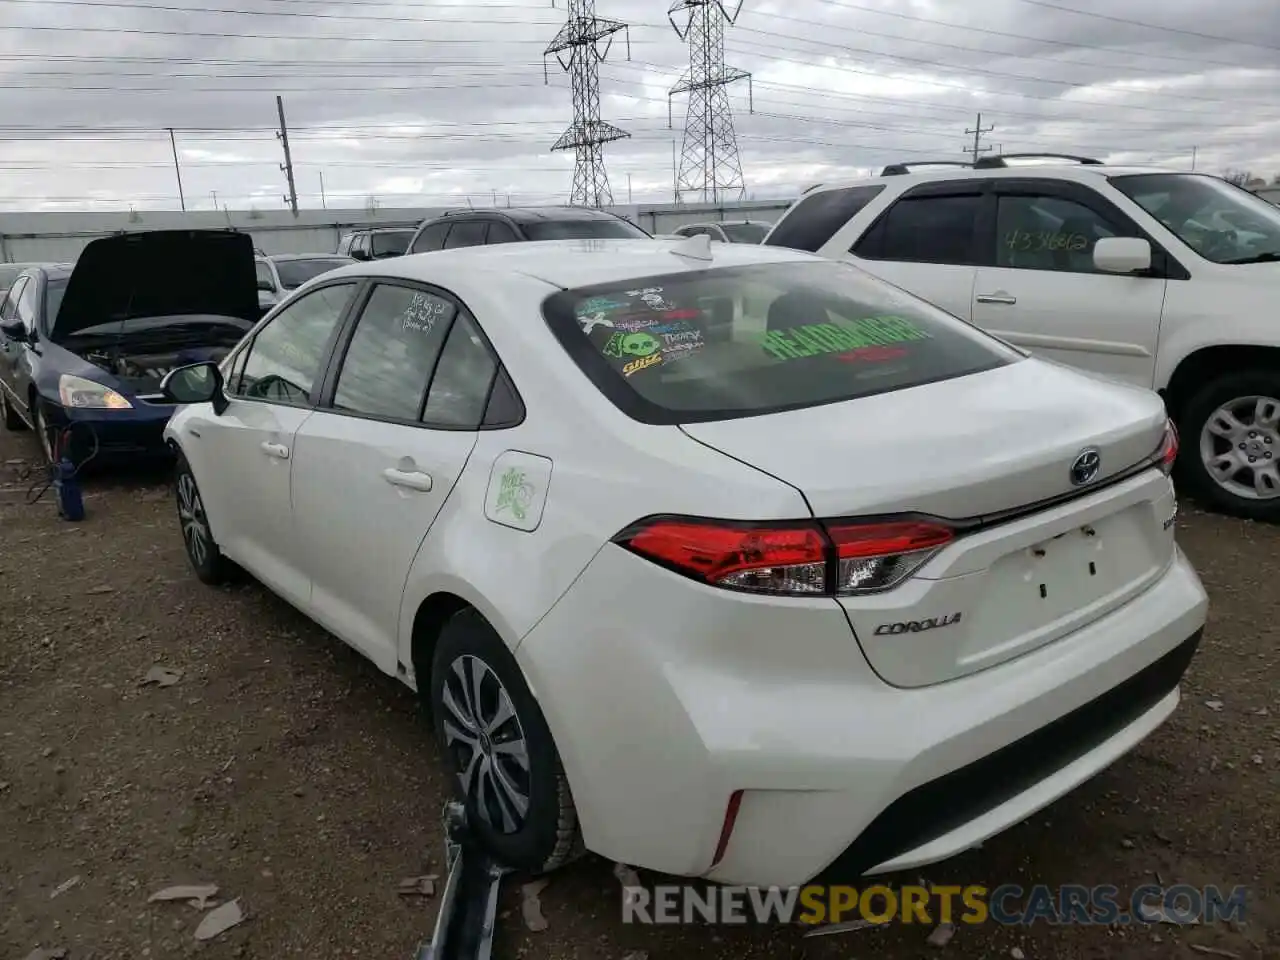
x: 614, y: 228
x: 284, y: 358
x: 466, y: 233
x: 924, y: 230
x: 431, y: 237
x: 460, y: 387
x: 742, y: 341
x: 264, y: 276
x: 815, y: 219
x: 395, y: 345
x: 390, y: 243
x: 500, y: 232
x: 1048, y: 233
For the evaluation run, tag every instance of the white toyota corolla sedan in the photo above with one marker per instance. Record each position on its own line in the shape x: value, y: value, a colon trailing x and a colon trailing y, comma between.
x: 725, y: 561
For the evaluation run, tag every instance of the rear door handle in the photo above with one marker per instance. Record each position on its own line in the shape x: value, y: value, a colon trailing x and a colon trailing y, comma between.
x: 412, y: 479
x: 995, y: 298
x: 277, y: 450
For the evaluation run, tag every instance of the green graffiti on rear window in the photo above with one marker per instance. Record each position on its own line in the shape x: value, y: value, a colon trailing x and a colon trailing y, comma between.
x: 840, y: 336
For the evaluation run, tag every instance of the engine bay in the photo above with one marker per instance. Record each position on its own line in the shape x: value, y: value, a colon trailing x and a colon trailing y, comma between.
x: 153, y: 365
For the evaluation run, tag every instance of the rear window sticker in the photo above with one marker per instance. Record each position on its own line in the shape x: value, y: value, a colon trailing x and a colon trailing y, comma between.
x: 652, y: 298
x: 643, y: 363
x: 423, y: 311
x: 839, y: 336
x: 591, y: 321
x: 631, y: 344
x: 873, y: 354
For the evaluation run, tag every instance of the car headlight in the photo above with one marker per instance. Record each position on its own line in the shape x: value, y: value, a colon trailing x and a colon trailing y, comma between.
x: 78, y: 393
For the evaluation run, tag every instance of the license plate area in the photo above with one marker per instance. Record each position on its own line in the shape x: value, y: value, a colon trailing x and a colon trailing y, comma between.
x: 1034, y: 594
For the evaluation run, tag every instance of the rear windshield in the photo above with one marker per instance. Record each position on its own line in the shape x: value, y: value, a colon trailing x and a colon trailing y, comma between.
x: 741, y: 341
x: 745, y: 232
x: 391, y: 244
x: 294, y: 273
x: 612, y: 229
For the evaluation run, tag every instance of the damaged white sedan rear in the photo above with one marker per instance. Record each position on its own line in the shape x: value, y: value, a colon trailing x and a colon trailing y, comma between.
x: 725, y: 562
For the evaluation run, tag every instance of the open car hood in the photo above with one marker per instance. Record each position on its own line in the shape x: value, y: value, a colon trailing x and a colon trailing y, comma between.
x: 160, y: 273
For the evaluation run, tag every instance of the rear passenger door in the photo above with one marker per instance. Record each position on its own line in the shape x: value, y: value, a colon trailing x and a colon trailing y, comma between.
x: 927, y: 243
x: 403, y: 401
x: 1040, y: 290
x: 466, y: 233
x: 432, y: 237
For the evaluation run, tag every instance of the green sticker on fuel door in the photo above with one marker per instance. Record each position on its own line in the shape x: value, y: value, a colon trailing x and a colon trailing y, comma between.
x: 840, y: 336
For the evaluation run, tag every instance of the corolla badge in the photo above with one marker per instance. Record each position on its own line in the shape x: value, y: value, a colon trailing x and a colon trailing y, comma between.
x: 1085, y: 467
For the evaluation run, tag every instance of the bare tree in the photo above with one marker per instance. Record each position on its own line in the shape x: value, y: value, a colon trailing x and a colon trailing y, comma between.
x: 1238, y: 177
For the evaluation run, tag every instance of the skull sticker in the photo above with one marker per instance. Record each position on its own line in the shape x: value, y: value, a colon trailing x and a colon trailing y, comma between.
x: 631, y: 344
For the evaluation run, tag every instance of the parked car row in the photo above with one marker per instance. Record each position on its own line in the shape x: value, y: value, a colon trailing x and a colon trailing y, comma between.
x: 726, y: 560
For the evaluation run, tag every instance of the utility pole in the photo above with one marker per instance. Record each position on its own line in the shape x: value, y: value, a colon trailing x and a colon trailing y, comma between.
x: 177, y: 170
x: 214, y: 194
x: 977, y: 132
x: 628, y: 189
x: 287, y: 167
x: 324, y: 205
x: 1193, y: 156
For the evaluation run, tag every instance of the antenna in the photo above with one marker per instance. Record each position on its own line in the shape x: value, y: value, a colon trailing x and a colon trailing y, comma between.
x: 581, y: 36
x: 709, y: 161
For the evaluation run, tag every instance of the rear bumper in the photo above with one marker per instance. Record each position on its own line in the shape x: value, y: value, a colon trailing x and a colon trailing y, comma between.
x: 666, y: 697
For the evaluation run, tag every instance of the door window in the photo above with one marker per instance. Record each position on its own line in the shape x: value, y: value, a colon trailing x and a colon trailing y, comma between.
x: 815, y: 219
x: 395, y: 346
x: 500, y: 232
x: 431, y: 238
x: 285, y: 357
x: 467, y: 233
x: 1049, y: 233
x: 924, y: 230
x: 265, y: 280
x: 462, y: 380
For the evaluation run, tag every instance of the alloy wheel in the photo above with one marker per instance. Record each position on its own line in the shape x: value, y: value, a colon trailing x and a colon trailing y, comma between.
x: 195, y: 531
x: 484, y: 735
x: 1240, y: 447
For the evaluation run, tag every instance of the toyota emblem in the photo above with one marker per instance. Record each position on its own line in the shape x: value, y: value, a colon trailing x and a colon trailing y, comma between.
x: 1085, y: 467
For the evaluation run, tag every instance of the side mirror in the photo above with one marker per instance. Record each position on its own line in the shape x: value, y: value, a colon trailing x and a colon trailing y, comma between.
x: 1122, y: 255
x: 14, y: 330
x: 266, y: 285
x: 195, y: 383
x: 359, y: 255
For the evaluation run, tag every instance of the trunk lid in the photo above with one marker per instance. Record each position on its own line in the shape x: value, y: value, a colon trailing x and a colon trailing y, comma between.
x: 965, y: 449
x: 160, y: 273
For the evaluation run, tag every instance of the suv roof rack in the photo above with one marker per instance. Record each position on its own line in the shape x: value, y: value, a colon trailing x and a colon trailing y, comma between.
x: 898, y: 169
x: 989, y: 163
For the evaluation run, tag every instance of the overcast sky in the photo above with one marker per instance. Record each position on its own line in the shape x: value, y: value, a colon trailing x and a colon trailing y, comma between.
x: 421, y: 103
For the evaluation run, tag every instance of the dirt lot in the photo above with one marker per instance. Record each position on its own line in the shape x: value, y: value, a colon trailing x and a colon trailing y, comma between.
x: 297, y: 778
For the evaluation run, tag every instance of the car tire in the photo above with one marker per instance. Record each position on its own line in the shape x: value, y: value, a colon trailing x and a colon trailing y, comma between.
x: 1217, y: 427
x: 202, y: 550
x: 12, y: 419
x: 511, y: 764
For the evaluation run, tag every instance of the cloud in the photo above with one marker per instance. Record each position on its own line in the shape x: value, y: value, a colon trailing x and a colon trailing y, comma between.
x: 424, y: 103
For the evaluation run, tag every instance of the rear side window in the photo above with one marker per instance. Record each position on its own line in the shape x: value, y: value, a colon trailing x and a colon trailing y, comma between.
x: 815, y: 219
x: 431, y: 238
x: 466, y: 233
x: 924, y: 230
x: 742, y: 341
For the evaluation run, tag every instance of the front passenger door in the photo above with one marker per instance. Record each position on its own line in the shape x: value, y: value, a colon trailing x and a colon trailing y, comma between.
x: 1041, y: 291
x: 243, y: 458
x: 373, y: 466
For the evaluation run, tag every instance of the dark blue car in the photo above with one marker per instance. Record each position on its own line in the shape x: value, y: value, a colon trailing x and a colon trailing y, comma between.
x: 83, y: 348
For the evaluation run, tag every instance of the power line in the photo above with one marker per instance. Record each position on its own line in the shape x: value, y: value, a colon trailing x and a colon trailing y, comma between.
x: 1149, y: 26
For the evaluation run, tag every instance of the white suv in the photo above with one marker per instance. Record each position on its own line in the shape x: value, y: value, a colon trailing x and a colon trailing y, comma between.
x: 1161, y: 278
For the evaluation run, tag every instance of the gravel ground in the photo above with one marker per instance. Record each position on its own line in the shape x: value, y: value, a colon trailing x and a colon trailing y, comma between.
x: 284, y: 769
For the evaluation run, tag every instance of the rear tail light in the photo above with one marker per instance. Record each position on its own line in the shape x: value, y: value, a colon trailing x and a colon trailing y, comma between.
x: 802, y: 558
x: 1169, y: 448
